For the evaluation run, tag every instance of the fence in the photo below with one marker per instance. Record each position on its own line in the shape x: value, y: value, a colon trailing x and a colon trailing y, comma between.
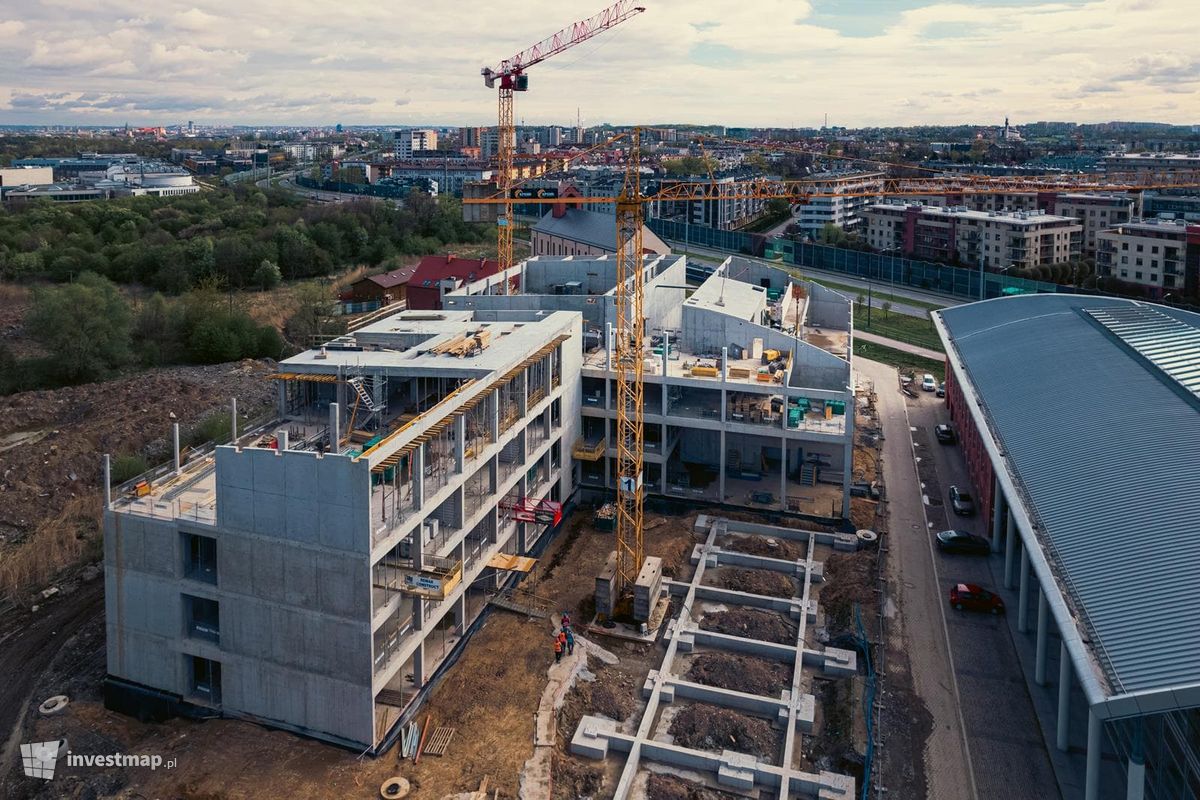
x: 894, y: 270
x: 868, y: 700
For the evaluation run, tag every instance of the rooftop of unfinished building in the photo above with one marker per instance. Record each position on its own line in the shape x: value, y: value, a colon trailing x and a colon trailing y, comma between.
x: 434, y: 340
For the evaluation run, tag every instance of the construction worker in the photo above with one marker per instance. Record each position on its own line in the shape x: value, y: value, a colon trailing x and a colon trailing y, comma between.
x: 562, y: 639
x: 570, y: 642
x: 558, y: 648
x: 566, y: 620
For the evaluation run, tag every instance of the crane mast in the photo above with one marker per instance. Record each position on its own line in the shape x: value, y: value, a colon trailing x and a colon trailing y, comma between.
x: 628, y: 362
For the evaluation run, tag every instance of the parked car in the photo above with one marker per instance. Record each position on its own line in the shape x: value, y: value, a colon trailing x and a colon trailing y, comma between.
x: 963, y: 542
x: 941, y: 390
x: 969, y: 597
x: 961, y: 502
x: 928, y: 383
x: 944, y: 434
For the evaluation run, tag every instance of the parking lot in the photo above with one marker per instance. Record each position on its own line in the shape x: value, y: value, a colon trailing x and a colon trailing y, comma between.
x: 1008, y: 752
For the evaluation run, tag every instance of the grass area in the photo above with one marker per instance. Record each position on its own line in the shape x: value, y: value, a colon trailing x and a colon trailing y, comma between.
x: 698, y: 257
x: 907, y: 363
x: 765, y: 224
x: 902, y: 328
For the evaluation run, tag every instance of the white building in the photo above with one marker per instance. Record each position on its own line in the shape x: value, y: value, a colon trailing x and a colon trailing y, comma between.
x: 1148, y: 253
x: 840, y: 203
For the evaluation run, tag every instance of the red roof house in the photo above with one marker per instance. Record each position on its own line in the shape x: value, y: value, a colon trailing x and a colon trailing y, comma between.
x: 438, y: 274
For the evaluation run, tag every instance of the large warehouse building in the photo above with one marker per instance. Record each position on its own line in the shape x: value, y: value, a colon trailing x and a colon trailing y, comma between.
x: 1080, y: 421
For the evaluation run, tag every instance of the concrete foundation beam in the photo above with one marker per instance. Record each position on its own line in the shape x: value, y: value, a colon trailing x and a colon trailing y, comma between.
x: 732, y: 558
x: 739, y: 644
x: 792, y: 606
x: 833, y: 661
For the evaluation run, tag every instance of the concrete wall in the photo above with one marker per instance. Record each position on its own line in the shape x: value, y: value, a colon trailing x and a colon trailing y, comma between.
x: 663, y: 304
x: 707, y: 330
x: 814, y: 368
x: 827, y: 308
x: 597, y: 312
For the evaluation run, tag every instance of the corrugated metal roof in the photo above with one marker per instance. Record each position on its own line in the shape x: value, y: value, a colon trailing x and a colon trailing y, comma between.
x: 1106, y: 450
x: 1171, y: 345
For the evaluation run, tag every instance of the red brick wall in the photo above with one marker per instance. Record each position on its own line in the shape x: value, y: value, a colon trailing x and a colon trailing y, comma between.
x: 979, y: 466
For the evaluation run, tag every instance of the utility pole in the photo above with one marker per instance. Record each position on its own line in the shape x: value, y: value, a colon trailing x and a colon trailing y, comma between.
x: 981, y: 293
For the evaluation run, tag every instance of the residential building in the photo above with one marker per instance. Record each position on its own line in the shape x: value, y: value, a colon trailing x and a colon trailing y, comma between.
x: 1151, y: 165
x: 1172, y: 206
x: 732, y: 210
x: 841, y: 200
x: 406, y: 141
x: 1148, y: 253
x: 1072, y: 411
x: 747, y: 378
x: 992, y: 238
x: 316, y: 573
x: 385, y: 288
x: 565, y: 231
x: 434, y: 276
x: 450, y: 176
x: 1096, y: 212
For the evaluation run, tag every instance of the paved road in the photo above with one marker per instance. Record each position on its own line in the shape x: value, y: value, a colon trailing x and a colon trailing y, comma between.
x: 882, y: 291
x: 916, y: 350
x: 919, y: 622
x: 1007, y: 747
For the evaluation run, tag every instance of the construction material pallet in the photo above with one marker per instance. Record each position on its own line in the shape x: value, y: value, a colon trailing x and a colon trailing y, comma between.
x: 439, y: 742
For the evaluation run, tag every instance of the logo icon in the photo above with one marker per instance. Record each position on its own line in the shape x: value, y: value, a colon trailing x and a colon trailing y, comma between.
x: 39, y: 758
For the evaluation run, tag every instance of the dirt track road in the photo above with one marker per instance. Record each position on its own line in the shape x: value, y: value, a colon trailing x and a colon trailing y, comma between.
x: 29, y: 641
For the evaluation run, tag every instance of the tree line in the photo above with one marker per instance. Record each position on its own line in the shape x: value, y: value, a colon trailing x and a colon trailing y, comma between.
x: 222, y: 236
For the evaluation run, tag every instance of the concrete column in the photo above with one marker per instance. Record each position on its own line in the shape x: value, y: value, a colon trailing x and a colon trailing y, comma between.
x: 1023, y: 593
x: 608, y: 346
x: 1064, y: 699
x: 666, y: 352
x: 107, y: 481
x: 997, y: 513
x: 724, y: 363
x: 175, y: 445
x: 783, y: 466
x: 281, y: 440
x: 418, y: 470
x: 1091, y: 784
x: 1135, y: 783
x: 281, y: 397
x: 418, y: 671
x: 848, y: 456
x: 1010, y: 551
x: 335, y: 428
x: 460, y: 443
x: 462, y: 612
x: 494, y: 402
x: 1043, y: 614
x: 233, y: 419
x: 722, y: 466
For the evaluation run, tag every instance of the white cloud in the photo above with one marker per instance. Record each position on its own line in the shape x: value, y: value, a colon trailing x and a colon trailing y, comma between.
x: 766, y: 62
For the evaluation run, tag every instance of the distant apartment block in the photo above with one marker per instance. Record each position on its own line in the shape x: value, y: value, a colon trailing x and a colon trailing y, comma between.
x: 1096, y: 212
x: 1172, y: 206
x: 404, y: 142
x: 733, y: 209
x: 315, y: 573
x: 1150, y: 164
x: 957, y: 234
x: 842, y: 200
x: 1159, y: 255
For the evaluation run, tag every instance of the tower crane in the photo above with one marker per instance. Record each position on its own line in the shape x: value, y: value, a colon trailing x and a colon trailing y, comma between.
x: 511, y: 77
x: 630, y: 323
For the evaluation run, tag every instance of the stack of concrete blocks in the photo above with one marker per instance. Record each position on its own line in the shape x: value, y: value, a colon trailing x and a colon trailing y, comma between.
x: 647, y: 588
x: 605, y: 582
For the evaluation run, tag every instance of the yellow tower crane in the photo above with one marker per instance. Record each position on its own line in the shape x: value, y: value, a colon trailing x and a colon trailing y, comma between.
x: 511, y: 77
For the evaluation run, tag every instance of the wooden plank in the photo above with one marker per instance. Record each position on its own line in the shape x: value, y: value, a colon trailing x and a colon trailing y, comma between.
x: 439, y: 742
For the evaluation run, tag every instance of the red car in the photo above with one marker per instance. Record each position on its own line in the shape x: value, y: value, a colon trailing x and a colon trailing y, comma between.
x: 969, y: 597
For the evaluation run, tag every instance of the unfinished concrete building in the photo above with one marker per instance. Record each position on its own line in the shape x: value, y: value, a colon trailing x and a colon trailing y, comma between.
x: 748, y: 381
x: 313, y: 574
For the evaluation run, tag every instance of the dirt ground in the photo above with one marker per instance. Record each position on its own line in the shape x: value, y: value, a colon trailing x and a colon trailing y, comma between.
x: 758, y: 581
x: 50, y: 476
x: 713, y: 728
x: 669, y: 787
x: 489, y: 696
x: 849, y: 581
x: 740, y: 673
x: 751, y: 623
x: 764, y: 546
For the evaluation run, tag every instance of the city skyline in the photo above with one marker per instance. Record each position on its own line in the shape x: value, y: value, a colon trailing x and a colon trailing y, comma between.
x: 775, y: 64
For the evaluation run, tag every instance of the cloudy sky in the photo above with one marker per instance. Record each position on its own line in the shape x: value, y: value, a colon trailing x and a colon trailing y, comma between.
x: 754, y: 62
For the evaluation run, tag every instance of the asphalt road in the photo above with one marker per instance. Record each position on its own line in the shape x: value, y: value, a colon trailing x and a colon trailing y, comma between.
x: 1008, y: 752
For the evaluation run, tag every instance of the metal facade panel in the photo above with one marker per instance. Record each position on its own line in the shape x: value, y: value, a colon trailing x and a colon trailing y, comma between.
x: 1107, y: 452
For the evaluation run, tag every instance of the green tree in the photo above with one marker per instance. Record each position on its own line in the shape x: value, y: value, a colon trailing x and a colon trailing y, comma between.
x: 84, y: 325
x: 267, y: 276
